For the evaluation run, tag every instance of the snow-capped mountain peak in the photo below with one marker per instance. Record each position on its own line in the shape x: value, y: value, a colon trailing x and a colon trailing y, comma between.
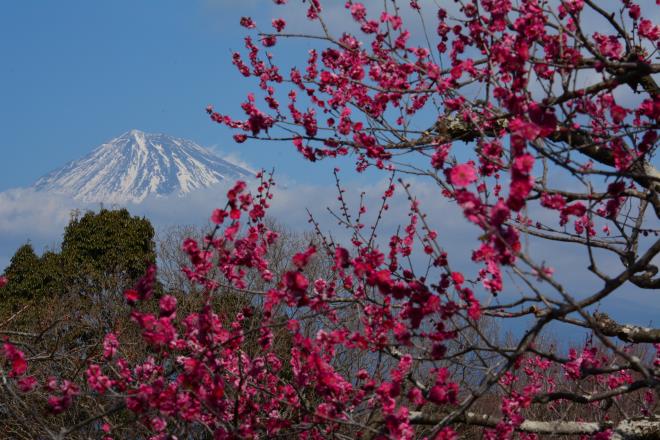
x: 135, y: 165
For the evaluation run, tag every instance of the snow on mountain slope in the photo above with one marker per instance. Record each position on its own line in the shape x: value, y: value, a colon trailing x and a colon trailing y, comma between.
x: 136, y: 165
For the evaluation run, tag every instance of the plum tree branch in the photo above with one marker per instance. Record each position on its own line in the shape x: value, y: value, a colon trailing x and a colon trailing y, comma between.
x: 627, y: 430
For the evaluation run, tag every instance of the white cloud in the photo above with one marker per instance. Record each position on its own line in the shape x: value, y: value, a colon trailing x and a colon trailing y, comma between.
x: 27, y: 216
x: 233, y: 157
x: 41, y: 218
x: 30, y: 216
x: 24, y: 210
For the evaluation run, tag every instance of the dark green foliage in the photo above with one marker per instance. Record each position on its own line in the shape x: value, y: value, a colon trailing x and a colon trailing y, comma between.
x: 103, y: 251
x: 107, y: 249
x: 30, y: 278
x: 51, y: 274
x: 22, y: 273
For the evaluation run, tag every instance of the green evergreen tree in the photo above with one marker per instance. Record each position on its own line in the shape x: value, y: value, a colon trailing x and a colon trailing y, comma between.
x: 51, y: 274
x: 107, y: 250
x: 23, y: 275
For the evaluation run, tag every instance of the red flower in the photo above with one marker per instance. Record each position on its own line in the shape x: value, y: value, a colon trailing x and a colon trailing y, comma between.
x: 524, y: 129
x: 269, y: 41
x: 358, y: 11
x: 462, y: 175
x: 301, y: 259
x: 438, y: 158
x: 247, y: 22
x: 649, y: 30
x: 131, y: 295
x: 16, y: 358
x: 442, y: 394
x: 218, y: 216
x: 27, y: 384
x: 279, y: 24
x: 110, y: 345
x: 342, y: 258
x: 523, y: 164
x: 634, y: 11
x: 296, y: 282
x: 167, y: 305
x: 458, y: 278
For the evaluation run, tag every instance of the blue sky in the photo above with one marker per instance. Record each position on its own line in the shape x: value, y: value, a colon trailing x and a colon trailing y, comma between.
x: 77, y: 73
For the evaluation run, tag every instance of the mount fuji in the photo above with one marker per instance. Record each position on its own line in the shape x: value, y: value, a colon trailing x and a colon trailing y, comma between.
x: 137, y: 165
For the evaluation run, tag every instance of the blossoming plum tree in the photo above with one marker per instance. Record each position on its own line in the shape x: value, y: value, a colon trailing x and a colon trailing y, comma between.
x: 531, y: 120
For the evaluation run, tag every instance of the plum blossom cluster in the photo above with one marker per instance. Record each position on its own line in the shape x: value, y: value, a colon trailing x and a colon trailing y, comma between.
x: 201, y: 374
x: 389, y: 71
x: 490, y: 105
x: 503, y: 80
